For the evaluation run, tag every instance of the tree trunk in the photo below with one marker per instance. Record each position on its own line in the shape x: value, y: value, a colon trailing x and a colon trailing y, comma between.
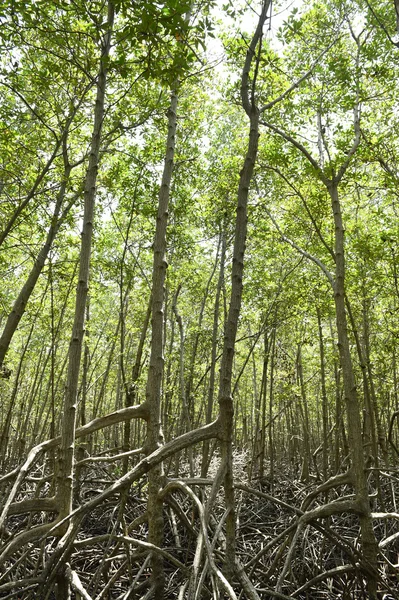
x: 355, y: 441
x: 5, y: 434
x: 185, y: 412
x: 225, y: 398
x: 261, y: 411
x: 272, y: 453
x: 131, y: 391
x: 226, y: 407
x: 375, y: 415
x: 20, y: 303
x: 212, y: 374
x: 303, y: 406
x: 324, y: 400
x: 155, y: 372
x: 66, y: 455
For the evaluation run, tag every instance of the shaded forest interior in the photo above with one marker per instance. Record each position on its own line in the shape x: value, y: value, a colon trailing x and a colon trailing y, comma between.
x: 199, y: 309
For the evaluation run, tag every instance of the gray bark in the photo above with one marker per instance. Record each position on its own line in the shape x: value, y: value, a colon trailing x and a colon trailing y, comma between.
x: 66, y: 457
x: 355, y: 441
x: 20, y: 303
x: 226, y: 369
x: 155, y: 372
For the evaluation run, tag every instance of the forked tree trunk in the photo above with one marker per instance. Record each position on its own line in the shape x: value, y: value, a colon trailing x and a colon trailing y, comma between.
x: 225, y: 399
x: 355, y: 439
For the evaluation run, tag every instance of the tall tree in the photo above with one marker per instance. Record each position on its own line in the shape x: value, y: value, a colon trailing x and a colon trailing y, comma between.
x: 66, y: 457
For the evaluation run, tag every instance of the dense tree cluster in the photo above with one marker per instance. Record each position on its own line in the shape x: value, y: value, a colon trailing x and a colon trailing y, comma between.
x: 199, y: 326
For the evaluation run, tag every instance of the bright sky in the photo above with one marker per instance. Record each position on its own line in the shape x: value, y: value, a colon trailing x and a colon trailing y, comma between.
x: 248, y: 21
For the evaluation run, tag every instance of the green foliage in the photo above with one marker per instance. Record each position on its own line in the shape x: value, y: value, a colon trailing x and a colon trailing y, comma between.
x: 50, y: 56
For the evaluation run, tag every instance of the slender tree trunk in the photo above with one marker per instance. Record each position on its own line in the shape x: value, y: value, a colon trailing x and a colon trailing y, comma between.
x: 324, y: 400
x: 272, y: 453
x: 226, y: 369
x: 30, y: 401
x: 86, y: 361
x: 369, y: 434
x: 225, y: 399
x: 20, y: 303
x: 5, y: 434
x: 212, y: 374
x: 373, y: 396
x: 66, y: 454
x: 52, y: 371
x: 355, y: 441
x: 155, y: 372
x: 226, y: 406
x: 168, y: 416
x: 261, y: 411
x: 395, y: 379
x: 193, y: 358
x: 98, y: 398
x: 185, y: 412
x: 303, y: 405
x: 131, y: 391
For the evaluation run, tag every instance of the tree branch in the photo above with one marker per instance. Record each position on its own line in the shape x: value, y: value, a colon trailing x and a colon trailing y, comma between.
x: 314, y: 259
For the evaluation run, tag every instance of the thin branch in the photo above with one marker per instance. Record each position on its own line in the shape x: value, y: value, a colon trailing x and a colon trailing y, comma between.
x: 356, y: 123
x: 31, y: 108
x: 314, y: 259
x: 322, y: 138
x: 247, y: 104
x: 297, y: 83
x: 301, y: 148
x: 381, y: 24
x: 311, y: 217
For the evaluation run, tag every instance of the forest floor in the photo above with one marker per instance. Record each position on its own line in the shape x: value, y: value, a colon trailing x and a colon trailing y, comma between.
x: 322, y: 562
